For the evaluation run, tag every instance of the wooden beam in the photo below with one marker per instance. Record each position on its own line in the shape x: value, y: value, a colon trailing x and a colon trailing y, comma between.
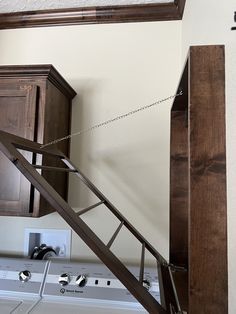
x: 179, y: 190
x: 198, y: 212
x: 208, y: 291
x: 94, y: 15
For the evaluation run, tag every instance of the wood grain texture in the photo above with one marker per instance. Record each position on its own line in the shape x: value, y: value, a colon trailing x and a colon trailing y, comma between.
x: 208, y: 213
x: 198, y: 209
x: 91, y: 15
x: 37, y: 72
x: 56, y: 123
x: 18, y: 111
x: 179, y: 190
x: 51, y: 119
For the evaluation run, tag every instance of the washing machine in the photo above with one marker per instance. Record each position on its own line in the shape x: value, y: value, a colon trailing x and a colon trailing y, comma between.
x: 21, y: 284
x: 58, y: 287
x: 89, y: 288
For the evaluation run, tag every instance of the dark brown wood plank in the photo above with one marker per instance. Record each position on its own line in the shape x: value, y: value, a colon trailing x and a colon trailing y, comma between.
x: 91, y: 15
x: 179, y: 189
x: 198, y: 214
x: 179, y: 209
x: 180, y: 5
x: 207, y: 213
x: 181, y: 284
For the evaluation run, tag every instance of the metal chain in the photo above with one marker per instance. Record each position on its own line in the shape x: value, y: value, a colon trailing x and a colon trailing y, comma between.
x: 111, y: 120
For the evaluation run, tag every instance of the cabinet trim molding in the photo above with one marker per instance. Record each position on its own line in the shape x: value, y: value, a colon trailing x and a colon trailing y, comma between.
x: 44, y: 71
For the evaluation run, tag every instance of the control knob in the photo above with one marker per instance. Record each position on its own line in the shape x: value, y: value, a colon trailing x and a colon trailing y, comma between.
x: 146, y: 284
x: 64, y: 279
x: 81, y: 280
x: 24, y: 275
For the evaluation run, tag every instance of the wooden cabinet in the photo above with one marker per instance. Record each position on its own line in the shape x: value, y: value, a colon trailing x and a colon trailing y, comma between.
x: 35, y: 103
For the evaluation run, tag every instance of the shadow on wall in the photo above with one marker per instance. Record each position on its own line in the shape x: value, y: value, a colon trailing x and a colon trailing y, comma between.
x: 127, y: 167
x: 132, y: 180
x: 82, y: 117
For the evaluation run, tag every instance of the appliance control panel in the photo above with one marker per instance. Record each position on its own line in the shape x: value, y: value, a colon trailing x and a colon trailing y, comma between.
x: 94, y: 281
x: 21, y: 275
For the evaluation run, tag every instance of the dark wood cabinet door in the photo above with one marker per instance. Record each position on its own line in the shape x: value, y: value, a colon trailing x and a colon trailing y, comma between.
x: 18, y: 110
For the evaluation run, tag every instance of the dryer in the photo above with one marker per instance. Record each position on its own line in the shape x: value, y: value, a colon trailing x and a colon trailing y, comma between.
x: 89, y: 288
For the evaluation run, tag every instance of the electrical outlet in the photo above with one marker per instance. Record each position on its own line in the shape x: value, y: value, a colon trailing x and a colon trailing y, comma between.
x: 59, y: 240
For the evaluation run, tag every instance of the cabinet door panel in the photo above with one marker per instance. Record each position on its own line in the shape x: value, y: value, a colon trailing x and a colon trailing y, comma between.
x: 18, y: 116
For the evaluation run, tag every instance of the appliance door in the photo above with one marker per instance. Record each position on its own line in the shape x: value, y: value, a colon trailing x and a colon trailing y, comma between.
x: 18, y: 305
x: 7, y: 306
x: 84, y: 307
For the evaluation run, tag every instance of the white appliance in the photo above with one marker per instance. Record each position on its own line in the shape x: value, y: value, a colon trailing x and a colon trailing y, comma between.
x: 21, y: 284
x: 64, y: 287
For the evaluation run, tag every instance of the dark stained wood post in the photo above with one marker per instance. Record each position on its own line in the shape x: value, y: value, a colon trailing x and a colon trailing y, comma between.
x: 198, y: 212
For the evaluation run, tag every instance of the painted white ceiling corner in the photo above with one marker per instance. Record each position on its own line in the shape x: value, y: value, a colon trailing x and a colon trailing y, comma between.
x: 7, y: 6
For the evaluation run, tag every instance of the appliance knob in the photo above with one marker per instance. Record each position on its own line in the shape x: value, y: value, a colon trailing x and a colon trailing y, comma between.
x: 81, y: 280
x: 24, y: 275
x: 146, y: 284
x: 64, y: 279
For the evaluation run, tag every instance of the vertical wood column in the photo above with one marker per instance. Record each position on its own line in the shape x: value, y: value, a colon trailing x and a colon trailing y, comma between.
x: 207, y: 182
x: 179, y: 189
x: 179, y: 176
x: 198, y: 211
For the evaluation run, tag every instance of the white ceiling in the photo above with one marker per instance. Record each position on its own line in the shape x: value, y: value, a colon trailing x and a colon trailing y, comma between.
x: 7, y: 6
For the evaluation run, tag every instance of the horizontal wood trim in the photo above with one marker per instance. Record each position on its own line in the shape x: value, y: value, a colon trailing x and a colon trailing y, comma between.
x: 93, y: 15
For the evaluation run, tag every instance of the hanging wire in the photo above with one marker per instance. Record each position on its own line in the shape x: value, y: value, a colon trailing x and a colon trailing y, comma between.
x: 125, y: 115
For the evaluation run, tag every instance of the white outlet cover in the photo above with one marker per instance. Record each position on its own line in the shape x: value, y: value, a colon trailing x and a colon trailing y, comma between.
x: 58, y: 239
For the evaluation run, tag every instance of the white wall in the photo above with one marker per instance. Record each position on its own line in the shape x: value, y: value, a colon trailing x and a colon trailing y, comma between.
x: 209, y: 22
x: 114, y: 69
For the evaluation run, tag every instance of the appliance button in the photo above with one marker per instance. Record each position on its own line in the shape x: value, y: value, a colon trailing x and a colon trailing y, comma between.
x: 81, y: 280
x: 146, y: 284
x: 24, y: 275
x: 64, y: 279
